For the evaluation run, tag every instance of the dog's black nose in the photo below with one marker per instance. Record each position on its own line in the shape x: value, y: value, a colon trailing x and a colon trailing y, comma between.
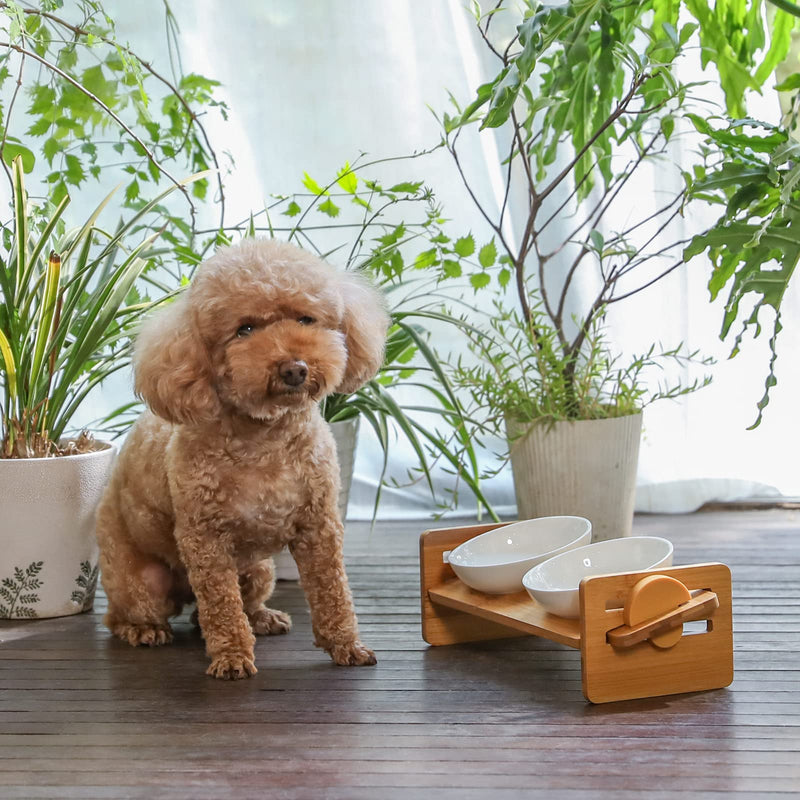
x: 293, y: 373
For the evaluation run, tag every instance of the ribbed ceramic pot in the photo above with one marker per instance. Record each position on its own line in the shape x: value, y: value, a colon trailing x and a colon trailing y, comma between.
x: 345, y: 435
x: 48, y: 561
x: 585, y: 468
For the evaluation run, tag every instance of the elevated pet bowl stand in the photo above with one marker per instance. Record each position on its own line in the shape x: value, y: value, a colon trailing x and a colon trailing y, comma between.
x: 650, y: 657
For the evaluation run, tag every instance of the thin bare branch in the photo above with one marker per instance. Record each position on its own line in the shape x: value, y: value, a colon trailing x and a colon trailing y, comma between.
x: 626, y: 267
x: 644, y: 286
x: 508, y: 183
x: 490, y: 15
x: 662, y: 253
x: 608, y: 196
x: 523, y: 154
x: 628, y: 231
x: 568, y: 198
x: 512, y: 42
x: 488, y: 43
x: 559, y: 315
x: 492, y: 224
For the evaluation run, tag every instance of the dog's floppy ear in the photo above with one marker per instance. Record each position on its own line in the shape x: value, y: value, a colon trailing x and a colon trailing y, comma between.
x: 172, y: 373
x: 364, y: 325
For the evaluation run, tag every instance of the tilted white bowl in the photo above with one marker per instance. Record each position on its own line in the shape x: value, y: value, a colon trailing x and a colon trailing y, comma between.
x: 495, y: 561
x: 554, y: 583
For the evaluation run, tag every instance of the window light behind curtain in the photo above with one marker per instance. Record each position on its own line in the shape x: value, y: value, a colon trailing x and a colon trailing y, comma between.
x: 312, y: 83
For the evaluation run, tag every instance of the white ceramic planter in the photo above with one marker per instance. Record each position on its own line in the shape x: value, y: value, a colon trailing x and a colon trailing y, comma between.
x: 585, y: 468
x: 345, y: 435
x: 48, y: 562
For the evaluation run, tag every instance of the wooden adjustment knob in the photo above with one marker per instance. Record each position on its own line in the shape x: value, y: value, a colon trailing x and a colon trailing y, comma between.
x: 652, y: 597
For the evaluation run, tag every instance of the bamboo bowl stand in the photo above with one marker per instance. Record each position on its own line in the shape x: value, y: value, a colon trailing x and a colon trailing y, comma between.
x: 649, y: 656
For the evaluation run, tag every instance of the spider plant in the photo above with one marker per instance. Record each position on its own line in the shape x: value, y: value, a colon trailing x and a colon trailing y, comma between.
x: 68, y: 302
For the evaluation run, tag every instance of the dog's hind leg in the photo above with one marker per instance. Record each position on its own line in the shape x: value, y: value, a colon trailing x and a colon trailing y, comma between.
x: 257, y: 584
x: 138, y: 587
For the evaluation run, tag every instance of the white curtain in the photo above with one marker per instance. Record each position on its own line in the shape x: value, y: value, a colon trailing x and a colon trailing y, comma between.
x: 312, y: 83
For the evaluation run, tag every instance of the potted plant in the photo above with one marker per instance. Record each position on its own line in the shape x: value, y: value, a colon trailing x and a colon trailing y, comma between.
x: 585, y: 100
x: 68, y: 303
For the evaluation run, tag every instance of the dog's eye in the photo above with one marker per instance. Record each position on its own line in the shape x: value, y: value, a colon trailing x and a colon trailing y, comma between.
x: 306, y: 320
x: 245, y: 330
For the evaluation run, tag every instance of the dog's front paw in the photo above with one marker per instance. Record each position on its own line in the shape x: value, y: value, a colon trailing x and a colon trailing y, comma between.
x: 354, y: 654
x: 232, y: 667
x: 268, y: 622
x: 150, y: 635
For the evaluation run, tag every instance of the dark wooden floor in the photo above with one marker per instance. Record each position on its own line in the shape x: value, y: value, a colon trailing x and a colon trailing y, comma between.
x: 82, y: 716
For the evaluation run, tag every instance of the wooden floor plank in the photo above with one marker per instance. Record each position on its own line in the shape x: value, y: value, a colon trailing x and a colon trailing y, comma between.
x: 84, y: 716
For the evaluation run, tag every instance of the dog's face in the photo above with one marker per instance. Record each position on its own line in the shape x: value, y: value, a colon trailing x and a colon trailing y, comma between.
x: 264, y: 328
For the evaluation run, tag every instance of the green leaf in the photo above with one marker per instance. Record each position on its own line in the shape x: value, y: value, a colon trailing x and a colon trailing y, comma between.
x: 95, y: 81
x: 687, y: 31
x: 312, y: 185
x: 735, y: 136
x: 40, y: 127
x: 426, y: 259
x: 58, y: 192
x: 347, y: 179
x: 465, y: 246
x: 452, y: 269
x: 780, y: 42
x: 44, y: 100
x: 132, y: 190
x: 392, y: 238
x: 789, y: 84
x: 505, y: 93
x: 503, y: 277
x: 74, y: 173
x: 329, y: 207
x: 292, y: 210
x: 11, y: 150
x: 479, y: 280
x: 487, y: 255
x: 199, y: 188
x: 406, y: 187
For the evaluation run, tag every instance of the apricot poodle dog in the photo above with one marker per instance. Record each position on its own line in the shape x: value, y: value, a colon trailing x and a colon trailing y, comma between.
x: 233, y: 461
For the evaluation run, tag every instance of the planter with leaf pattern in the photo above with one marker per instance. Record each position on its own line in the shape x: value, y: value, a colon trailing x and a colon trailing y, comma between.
x: 48, y: 560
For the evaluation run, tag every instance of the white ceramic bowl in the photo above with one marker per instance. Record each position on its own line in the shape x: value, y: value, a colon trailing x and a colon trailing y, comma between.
x: 554, y: 583
x: 495, y: 561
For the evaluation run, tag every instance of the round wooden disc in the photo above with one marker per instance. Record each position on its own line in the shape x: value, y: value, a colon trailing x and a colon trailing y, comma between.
x: 651, y: 597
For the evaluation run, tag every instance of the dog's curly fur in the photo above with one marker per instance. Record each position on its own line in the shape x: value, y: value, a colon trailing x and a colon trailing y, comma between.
x: 235, y: 461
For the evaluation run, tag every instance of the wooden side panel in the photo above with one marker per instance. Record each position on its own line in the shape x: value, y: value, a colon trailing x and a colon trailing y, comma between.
x: 696, y: 663
x: 441, y: 625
